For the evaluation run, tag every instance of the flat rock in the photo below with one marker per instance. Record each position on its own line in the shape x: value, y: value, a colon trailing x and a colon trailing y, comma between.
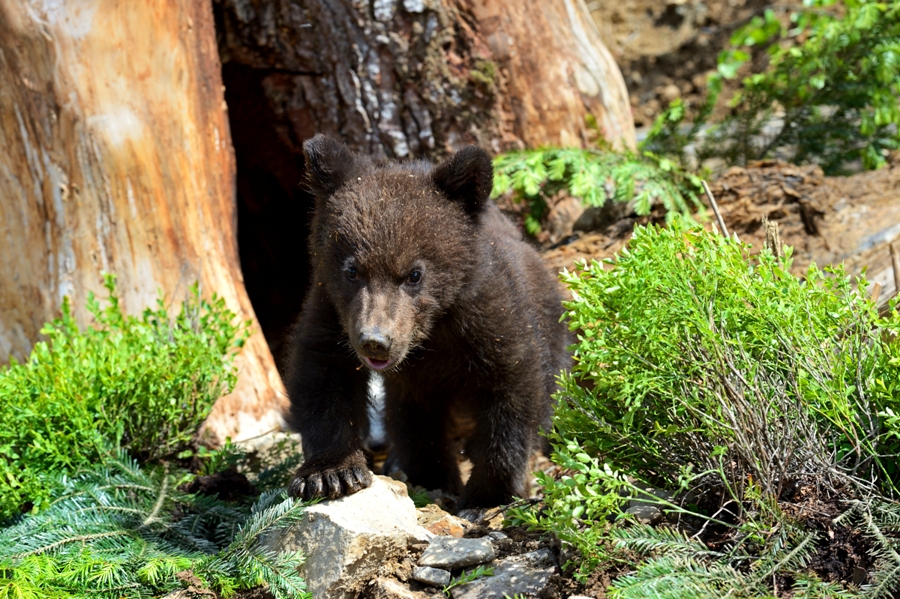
x: 448, y: 553
x: 348, y: 541
x: 524, y: 574
x: 431, y: 576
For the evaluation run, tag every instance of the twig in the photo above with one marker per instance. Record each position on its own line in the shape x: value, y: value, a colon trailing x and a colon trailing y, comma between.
x: 715, y: 207
x: 163, y: 491
x: 895, y: 263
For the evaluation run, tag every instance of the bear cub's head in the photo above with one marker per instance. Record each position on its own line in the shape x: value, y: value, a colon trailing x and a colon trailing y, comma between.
x: 394, y: 244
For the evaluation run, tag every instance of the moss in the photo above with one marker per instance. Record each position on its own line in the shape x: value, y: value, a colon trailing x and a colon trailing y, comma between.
x: 485, y: 73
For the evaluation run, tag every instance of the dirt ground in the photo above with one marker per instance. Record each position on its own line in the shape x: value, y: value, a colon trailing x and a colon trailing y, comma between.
x: 666, y: 48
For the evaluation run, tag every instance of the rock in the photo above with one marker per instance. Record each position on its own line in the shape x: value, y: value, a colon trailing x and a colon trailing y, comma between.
x: 388, y: 588
x: 596, y: 218
x: 348, y: 541
x: 431, y: 576
x: 497, y: 535
x: 645, y: 513
x: 449, y: 553
x: 671, y: 92
x: 525, y: 574
x: 439, y: 522
x: 562, y: 216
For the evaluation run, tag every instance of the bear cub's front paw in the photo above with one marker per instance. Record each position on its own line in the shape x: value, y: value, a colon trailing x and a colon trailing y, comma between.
x: 325, y: 477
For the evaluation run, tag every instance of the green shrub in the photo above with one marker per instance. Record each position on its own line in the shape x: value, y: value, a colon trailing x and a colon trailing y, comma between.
x: 832, y: 80
x: 836, y: 90
x: 121, y: 531
x: 143, y: 384
x: 711, y: 383
x: 691, y: 355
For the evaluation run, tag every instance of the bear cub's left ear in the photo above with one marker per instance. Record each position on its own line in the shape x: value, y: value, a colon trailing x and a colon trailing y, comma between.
x: 466, y: 177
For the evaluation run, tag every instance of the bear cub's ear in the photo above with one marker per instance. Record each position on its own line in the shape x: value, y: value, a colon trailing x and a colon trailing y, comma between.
x: 328, y: 164
x: 466, y: 177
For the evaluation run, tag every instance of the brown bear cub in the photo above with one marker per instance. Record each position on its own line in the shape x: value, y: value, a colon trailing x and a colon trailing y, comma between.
x: 419, y: 277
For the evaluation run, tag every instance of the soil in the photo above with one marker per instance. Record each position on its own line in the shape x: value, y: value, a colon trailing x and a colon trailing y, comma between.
x: 667, y: 48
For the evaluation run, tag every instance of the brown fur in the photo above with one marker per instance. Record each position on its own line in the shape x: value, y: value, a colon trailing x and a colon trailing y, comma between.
x: 416, y: 266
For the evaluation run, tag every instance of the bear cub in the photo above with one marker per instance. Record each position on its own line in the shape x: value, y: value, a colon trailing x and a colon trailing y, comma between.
x: 419, y: 277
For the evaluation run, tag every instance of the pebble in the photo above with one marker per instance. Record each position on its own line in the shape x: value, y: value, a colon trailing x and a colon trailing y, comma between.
x: 645, y: 514
x: 449, y: 554
x: 431, y: 576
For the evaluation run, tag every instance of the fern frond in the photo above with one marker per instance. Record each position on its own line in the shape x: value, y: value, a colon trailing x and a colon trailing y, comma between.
x: 670, y: 577
x: 122, y: 531
x: 646, y: 539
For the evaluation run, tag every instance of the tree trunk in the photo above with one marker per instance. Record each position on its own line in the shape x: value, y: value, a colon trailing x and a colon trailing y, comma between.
x: 422, y: 77
x: 115, y: 155
x: 394, y: 78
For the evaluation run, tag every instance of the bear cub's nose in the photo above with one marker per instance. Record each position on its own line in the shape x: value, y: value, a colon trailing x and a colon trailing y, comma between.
x: 375, y: 344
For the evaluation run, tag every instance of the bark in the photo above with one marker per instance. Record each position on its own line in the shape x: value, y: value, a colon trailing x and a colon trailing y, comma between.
x: 115, y: 156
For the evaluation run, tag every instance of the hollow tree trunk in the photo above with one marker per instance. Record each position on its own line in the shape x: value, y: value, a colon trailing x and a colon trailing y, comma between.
x: 115, y: 155
x: 421, y: 77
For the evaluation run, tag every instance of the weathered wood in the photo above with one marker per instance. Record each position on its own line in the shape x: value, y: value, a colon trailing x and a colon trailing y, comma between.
x: 422, y: 77
x: 115, y: 156
x: 773, y: 238
x: 555, y: 70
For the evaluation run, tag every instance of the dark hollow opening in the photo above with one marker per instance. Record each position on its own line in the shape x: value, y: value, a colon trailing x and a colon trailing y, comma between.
x: 273, y: 207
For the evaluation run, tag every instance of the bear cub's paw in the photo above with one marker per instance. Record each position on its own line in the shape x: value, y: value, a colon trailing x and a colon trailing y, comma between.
x: 326, y: 478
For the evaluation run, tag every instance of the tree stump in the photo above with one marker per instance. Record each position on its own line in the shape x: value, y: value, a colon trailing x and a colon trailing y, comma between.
x: 115, y: 156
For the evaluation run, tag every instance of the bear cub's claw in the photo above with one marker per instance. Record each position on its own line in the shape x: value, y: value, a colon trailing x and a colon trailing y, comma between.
x: 327, y: 479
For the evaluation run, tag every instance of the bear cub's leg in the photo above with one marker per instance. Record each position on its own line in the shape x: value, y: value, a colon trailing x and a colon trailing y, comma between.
x: 420, y: 444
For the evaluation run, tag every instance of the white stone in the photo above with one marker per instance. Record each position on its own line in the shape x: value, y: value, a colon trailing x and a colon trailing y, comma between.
x: 348, y: 541
x: 449, y: 553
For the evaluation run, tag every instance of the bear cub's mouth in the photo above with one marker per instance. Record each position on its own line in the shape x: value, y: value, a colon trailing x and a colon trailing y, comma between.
x: 375, y: 363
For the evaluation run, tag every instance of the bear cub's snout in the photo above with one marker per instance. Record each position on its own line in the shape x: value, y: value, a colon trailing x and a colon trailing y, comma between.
x: 419, y: 277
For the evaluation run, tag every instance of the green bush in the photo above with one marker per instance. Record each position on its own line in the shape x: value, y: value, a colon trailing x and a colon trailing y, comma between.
x: 712, y: 384
x: 143, y: 384
x: 692, y: 355
x: 832, y: 79
x: 121, y: 531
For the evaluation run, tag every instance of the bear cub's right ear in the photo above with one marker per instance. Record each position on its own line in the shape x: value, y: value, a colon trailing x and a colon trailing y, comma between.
x: 329, y: 163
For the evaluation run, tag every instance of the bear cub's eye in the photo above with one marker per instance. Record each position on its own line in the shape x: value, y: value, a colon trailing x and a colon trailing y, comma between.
x: 351, y: 273
x: 414, y: 277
